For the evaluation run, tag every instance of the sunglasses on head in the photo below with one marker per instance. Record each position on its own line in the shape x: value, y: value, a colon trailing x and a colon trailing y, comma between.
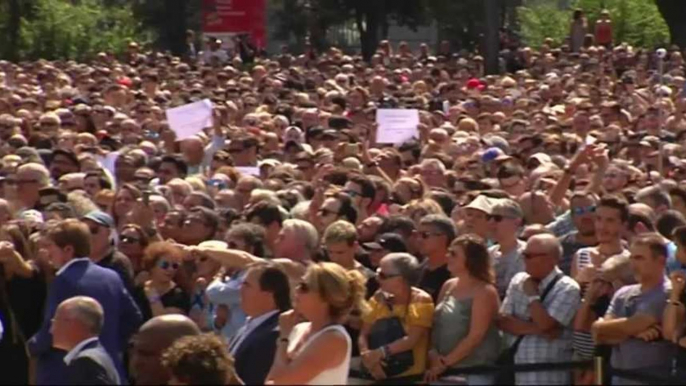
x: 583, y: 210
x: 164, y: 264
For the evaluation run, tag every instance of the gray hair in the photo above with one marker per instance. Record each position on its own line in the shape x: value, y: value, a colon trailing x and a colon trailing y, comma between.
x: 441, y: 222
x: 87, y: 311
x: 305, y: 231
x: 405, y: 265
x: 656, y: 194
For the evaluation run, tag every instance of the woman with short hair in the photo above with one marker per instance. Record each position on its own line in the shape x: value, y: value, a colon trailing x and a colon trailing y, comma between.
x: 398, y: 297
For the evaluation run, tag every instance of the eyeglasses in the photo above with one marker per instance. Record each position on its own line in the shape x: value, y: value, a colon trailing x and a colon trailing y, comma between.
x: 385, y: 276
x: 12, y: 181
x: 130, y: 240
x: 426, y: 235
x: 531, y: 255
x: 164, y: 264
x: 497, y: 217
x: 580, y: 211
x: 352, y: 193
x: 326, y: 212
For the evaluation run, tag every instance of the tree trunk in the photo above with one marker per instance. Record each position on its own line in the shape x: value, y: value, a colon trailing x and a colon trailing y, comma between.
x: 13, y: 30
x: 369, y: 32
x: 491, y: 42
x: 674, y: 13
x: 176, y: 26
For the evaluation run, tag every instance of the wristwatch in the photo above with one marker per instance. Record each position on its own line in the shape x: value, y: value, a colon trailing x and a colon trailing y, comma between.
x: 531, y: 299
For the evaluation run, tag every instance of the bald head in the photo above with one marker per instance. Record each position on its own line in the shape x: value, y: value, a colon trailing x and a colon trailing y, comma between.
x: 155, y: 336
x: 541, y: 254
x: 87, y: 311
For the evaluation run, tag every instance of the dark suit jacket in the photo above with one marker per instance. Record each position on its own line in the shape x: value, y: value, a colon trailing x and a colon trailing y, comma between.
x: 255, y: 355
x: 92, y: 365
x: 122, y: 318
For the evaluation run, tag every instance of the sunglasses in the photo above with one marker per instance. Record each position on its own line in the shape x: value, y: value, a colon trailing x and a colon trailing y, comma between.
x: 302, y: 287
x: 531, y: 255
x: 497, y: 217
x: 130, y: 240
x: 426, y: 235
x: 583, y: 210
x: 385, y: 276
x: 352, y: 193
x: 325, y: 212
x: 164, y: 264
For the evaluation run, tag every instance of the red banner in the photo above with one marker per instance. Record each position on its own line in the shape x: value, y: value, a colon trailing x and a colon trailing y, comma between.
x: 236, y: 17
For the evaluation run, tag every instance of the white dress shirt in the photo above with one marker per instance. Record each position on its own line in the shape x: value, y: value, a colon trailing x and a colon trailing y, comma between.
x: 250, y: 325
x: 72, y: 353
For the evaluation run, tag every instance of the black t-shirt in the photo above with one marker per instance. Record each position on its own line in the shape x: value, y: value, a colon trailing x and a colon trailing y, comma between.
x: 432, y: 281
x: 176, y: 297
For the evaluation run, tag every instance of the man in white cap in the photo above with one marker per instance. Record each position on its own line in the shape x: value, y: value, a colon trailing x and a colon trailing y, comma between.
x: 476, y: 216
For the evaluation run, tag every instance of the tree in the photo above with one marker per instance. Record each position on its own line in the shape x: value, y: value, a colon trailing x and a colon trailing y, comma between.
x: 674, y: 13
x: 59, y: 29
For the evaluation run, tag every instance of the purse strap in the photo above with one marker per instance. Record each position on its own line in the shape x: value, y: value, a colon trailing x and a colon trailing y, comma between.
x: 546, y: 291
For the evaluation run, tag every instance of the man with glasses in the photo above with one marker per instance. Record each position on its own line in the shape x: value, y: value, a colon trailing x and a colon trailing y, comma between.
x: 172, y: 166
x: 63, y: 162
x: 244, y: 151
x: 436, y: 232
x: 506, y: 221
x: 68, y: 244
x: 362, y: 191
x: 582, y: 208
x: 103, y: 252
x: 539, y: 307
x: 336, y: 207
x: 200, y: 224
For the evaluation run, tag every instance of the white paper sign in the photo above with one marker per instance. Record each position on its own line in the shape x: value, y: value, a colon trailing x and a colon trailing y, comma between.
x: 190, y: 119
x: 249, y: 170
x: 396, y: 125
x: 109, y: 161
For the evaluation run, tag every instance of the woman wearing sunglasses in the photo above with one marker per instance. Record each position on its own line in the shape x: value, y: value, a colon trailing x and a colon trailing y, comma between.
x: 132, y: 242
x: 397, y: 298
x: 162, y: 261
x: 317, y: 351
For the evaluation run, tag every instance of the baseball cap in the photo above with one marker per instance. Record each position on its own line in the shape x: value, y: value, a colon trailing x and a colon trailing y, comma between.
x: 475, y: 84
x: 482, y: 203
x: 99, y: 217
x: 389, y: 241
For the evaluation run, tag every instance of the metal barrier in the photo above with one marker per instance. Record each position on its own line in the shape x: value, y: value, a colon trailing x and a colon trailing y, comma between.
x: 598, y: 364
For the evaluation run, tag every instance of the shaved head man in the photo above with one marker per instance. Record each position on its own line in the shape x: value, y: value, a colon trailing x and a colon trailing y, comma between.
x: 155, y: 336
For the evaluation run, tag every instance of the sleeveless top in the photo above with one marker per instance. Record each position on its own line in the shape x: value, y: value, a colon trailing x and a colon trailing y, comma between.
x: 582, y: 341
x: 452, y: 321
x: 333, y: 376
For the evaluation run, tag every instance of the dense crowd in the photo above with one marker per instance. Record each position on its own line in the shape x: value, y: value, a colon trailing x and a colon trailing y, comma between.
x: 537, y: 217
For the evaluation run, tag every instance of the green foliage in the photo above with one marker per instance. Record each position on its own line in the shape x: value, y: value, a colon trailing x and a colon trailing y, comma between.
x: 60, y: 29
x: 637, y: 22
x: 542, y: 21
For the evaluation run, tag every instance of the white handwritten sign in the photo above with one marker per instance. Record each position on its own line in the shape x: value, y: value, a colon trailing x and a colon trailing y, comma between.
x: 190, y: 119
x: 396, y: 125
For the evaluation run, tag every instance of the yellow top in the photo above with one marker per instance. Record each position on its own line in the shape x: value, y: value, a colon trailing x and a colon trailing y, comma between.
x: 420, y: 314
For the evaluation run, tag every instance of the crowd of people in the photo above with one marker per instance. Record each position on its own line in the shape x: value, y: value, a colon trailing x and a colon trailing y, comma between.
x: 538, y: 217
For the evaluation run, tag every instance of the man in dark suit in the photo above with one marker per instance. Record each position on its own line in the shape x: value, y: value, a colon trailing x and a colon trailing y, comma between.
x: 75, y: 328
x: 68, y: 243
x: 265, y: 293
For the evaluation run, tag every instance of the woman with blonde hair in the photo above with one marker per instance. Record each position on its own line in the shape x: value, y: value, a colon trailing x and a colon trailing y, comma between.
x: 318, y: 351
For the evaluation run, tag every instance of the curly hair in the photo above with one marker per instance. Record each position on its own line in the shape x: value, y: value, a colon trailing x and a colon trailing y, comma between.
x: 200, y: 360
x: 155, y: 251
